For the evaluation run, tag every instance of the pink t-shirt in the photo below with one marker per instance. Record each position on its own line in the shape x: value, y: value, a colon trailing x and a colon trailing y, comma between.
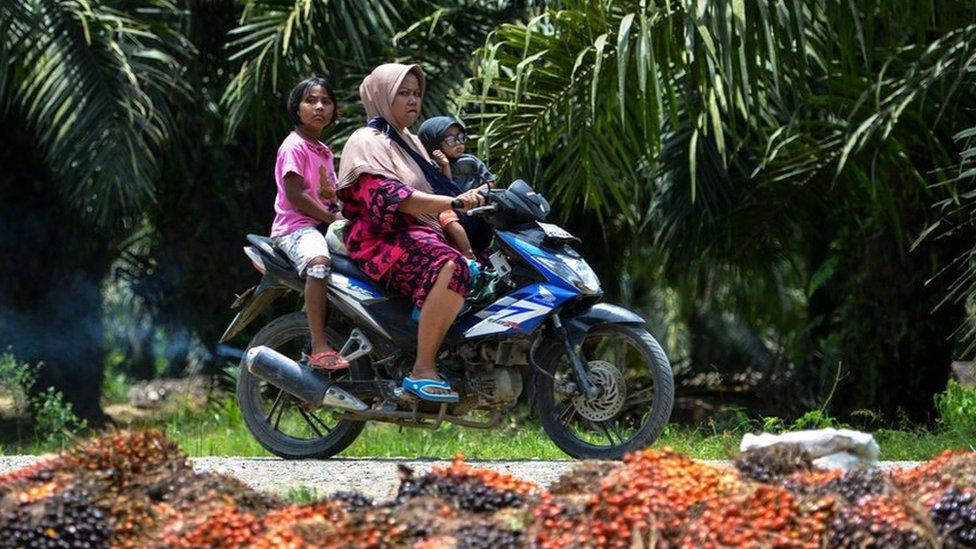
x: 314, y: 163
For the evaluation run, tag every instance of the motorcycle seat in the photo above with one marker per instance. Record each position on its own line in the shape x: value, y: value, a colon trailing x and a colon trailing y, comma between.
x: 345, y: 266
x: 271, y: 252
x: 341, y: 263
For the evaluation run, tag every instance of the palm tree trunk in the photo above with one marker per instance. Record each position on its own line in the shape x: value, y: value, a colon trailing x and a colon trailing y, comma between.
x: 50, y: 279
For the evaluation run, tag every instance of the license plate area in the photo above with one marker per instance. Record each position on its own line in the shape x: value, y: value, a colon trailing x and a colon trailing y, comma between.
x: 556, y: 232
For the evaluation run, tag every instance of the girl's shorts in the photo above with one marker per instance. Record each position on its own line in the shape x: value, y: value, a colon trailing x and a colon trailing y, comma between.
x: 302, y: 246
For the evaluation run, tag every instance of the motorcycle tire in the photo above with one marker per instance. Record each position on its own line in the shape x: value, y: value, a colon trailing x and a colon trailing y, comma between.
x: 250, y: 400
x: 662, y: 401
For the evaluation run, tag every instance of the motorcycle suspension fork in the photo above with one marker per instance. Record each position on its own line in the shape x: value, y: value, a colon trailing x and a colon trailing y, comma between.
x: 576, y: 362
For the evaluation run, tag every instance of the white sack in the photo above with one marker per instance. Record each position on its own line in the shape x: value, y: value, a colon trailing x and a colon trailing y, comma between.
x: 820, y: 443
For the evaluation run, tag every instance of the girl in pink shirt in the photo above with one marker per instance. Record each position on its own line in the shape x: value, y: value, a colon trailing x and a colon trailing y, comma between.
x: 305, y: 175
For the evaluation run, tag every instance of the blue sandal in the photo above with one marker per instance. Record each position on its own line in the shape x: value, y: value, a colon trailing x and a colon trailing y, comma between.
x: 418, y: 388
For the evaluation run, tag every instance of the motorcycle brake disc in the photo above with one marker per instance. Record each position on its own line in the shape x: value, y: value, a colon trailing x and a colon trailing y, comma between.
x: 613, y: 392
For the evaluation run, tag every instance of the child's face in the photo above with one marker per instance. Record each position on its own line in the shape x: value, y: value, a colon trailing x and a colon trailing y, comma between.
x: 452, y: 142
x: 316, y: 108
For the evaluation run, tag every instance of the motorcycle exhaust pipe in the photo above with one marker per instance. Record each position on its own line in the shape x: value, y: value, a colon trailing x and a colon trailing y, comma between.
x: 299, y: 380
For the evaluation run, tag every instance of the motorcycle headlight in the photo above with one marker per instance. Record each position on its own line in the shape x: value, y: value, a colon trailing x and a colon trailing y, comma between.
x: 574, y: 270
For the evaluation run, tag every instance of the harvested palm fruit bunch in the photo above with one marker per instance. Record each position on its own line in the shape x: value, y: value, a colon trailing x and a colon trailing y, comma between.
x: 42, y: 471
x: 230, y: 526
x: 137, y: 490
x: 583, y: 478
x: 772, y: 463
x: 402, y: 525
x: 954, y: 515
x: 649, y: 497
x: 279, y: 527
x: 194, y: 492
x: 812, y: 483
x: 890, y: 520
x: 930, y: 480
x: 127, y: 461
x: 353, y: 500
x: 466, y: 487
x: 224, y: 527
x: 70, y: 518
x: 488, y: 536
x: 850, y: 486
x: 766, y: 516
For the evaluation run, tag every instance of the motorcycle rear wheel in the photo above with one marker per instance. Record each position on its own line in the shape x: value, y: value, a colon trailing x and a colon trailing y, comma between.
x: 281, y: 423
x: 637, y: 394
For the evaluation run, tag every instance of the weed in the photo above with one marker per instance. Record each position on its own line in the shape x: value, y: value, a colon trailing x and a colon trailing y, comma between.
x: 54, y: 421
x: 16, y: 379
x: 303, y: 495
x: 816, y: 419
x: 957, y: 409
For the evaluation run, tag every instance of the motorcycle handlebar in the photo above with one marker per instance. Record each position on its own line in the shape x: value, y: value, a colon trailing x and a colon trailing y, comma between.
x: 487, y: 208
x: 483, y: 209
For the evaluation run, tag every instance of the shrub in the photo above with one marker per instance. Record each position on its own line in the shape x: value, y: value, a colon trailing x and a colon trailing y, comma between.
x: 957, y: 408
x: 54, y: 421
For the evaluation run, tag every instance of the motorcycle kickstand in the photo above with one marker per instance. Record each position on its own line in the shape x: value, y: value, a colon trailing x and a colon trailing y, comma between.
x: 575, y: 360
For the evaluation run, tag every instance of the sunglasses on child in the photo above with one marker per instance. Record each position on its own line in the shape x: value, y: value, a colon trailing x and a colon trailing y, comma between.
x: 452, y: 140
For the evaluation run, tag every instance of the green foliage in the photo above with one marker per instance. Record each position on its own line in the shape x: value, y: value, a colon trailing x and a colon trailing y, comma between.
x: 303, y: 495
x: 94, y: 80
x: 54, y: 422
x: 757, y: 177
x: 816, y: 419
x: 957, y: 409
x: 776, y: 159
x: 16, y: 379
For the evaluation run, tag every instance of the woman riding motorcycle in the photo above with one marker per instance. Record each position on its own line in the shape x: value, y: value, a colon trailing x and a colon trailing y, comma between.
x: 393, y: 233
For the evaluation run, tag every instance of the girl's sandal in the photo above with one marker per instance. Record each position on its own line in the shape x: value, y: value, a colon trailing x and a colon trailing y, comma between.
x: 328, y: 360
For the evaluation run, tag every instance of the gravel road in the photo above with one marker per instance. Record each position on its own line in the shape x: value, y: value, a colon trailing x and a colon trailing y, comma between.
x: 376, y: 478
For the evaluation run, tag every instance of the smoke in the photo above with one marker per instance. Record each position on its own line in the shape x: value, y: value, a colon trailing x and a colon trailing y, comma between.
x: 64, y: 323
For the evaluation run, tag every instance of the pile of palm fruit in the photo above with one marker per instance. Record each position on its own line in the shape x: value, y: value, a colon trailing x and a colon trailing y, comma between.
x: 138, y: 490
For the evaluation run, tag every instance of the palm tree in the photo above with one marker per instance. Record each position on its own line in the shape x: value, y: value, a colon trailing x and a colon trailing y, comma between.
x: 778, y: 158
x: 277, y: 42
x: 85, y: 90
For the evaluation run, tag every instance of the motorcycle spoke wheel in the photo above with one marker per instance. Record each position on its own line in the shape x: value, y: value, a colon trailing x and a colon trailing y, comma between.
x: 635, y: 394
x: 288, y: 415
x: 283, y: 424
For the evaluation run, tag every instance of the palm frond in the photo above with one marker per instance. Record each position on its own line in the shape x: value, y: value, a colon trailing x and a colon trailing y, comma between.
x: 278, y: 41
x: 95, y: 84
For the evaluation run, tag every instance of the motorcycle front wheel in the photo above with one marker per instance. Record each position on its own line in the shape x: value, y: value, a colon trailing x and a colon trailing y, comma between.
x: 634, y: 403
x: 281, y: 423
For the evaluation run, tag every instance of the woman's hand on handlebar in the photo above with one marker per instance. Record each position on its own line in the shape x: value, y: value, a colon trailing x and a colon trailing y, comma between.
x: 470, y: 199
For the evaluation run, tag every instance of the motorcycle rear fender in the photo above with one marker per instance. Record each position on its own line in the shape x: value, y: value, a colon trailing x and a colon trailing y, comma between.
x: 601, y: 313
x: 252, y: 302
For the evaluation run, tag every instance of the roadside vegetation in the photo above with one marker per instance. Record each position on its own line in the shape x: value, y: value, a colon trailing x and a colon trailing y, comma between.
x: 213, y: 427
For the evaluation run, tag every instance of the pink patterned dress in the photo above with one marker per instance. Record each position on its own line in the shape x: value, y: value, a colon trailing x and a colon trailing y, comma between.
x: 392, y: 247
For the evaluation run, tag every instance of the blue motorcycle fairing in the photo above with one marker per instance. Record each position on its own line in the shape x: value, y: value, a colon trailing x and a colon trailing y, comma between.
x: 517, y: 313
x: 361, y: 289
x: 601, y: 313
x: 529, y: 252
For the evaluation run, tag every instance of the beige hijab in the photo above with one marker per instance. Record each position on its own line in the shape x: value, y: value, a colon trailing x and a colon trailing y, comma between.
x: 369, y: 150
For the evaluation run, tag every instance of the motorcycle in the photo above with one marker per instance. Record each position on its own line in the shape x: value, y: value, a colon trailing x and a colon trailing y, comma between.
x: 597, y: 380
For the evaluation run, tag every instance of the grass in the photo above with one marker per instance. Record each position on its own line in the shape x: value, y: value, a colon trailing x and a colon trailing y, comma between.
x: 217, y: 429
x: 223, y: 433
